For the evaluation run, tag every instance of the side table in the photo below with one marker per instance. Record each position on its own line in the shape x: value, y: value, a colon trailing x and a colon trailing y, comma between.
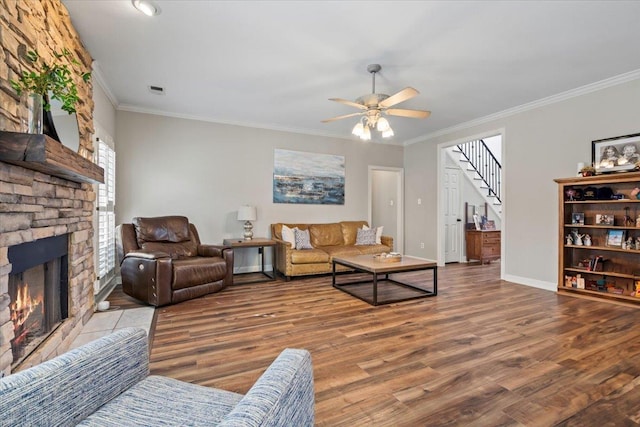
x: 260, y: 243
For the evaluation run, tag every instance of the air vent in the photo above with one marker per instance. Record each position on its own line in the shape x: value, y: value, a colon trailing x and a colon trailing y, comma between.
x: 157, y: 90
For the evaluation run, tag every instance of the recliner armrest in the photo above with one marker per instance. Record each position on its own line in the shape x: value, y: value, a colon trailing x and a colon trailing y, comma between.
x: 212, y: 250
x: 147, y: 255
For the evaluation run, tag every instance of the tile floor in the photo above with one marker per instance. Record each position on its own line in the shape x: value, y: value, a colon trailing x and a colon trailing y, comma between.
x: 104, y: 322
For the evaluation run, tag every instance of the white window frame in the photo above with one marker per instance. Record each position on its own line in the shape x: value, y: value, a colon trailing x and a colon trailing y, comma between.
x: 105, y: 252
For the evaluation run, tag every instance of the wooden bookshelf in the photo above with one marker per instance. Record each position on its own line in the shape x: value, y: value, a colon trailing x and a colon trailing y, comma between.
x: 620, y: 271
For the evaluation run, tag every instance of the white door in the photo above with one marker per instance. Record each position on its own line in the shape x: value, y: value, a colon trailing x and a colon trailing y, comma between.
x: 386, y: 204
x: 452, y: 215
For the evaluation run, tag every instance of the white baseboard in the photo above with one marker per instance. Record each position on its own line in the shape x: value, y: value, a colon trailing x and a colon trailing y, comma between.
x: 547, y: 286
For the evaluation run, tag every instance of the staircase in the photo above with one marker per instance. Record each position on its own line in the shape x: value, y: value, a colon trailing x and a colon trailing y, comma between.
x: 483, y: 169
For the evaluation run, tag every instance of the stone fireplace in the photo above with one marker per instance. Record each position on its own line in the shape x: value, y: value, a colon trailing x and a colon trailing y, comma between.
x: 38, y: 292
x: 51, y: 194
x: 35, y: 207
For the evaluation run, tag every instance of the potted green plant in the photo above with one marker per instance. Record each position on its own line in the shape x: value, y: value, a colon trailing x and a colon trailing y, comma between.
x: 49, y: 81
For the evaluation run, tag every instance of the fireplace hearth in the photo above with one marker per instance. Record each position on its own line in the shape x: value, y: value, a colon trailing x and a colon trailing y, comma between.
x: 38, y: 292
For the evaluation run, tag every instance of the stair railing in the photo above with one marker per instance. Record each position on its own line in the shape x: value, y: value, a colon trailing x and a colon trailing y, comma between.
x: 484, y: 164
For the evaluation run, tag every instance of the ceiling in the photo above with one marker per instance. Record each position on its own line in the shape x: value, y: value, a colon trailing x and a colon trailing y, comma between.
x: 274, y: 64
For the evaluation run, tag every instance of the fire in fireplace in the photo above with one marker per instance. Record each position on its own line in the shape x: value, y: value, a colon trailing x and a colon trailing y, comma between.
x: 38, y: 292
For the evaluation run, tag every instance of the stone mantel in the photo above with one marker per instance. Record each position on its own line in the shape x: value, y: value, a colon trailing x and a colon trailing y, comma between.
x: 44, y: 154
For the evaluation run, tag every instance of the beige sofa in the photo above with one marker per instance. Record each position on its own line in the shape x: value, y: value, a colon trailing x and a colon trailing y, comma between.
x: 328, y: 240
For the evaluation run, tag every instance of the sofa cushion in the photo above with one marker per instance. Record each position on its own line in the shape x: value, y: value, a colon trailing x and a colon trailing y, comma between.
x: 366, y: 237
x: 146, y: 404
x: 326, y: 234
x: 349, y: 231
x: 373, y: 249
x: 309, y: 256
x: 302, y: 239
x: 341, y: 250
x: 188, y: 272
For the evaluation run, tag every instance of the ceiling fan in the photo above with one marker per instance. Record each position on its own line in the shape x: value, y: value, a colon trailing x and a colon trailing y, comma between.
x: 374, y: 105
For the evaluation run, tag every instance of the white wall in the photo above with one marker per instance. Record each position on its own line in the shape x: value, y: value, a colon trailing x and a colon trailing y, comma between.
x: 205, y: 171
x: 104, y: 112
x: 539, y: 145
x: 384, y: 209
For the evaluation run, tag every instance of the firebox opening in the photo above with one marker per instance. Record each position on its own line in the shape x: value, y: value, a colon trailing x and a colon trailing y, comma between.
x: 38, y: 291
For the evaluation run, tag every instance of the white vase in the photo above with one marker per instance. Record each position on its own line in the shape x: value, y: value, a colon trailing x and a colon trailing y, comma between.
x: 32, y: 121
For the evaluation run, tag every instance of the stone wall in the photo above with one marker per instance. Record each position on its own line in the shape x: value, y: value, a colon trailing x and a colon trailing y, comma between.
x: 34, y: 205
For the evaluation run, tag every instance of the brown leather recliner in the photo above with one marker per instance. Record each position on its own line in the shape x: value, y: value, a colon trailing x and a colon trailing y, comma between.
x: 162, y: 261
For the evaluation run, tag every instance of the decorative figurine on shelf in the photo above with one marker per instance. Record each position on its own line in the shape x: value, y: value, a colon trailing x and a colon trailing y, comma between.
x: 628, y: 221
x: 569, y: 240
x: 587, y: 240
x: 630, y: 244
x: 578, y: 239
x: 635, y: 193
x: 638, y: 221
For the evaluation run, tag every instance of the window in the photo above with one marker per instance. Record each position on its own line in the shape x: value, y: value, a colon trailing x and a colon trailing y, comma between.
x: 106, y: 219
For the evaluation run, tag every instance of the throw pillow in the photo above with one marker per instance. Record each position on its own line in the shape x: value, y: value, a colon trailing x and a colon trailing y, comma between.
x: 302, y: 239
x: 288, y: 235
x: 366, y: 237
x: 378, y: 233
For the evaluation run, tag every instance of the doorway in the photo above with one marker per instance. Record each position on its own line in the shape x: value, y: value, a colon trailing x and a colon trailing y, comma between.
x: 451, y: 205
x: 386, y: 204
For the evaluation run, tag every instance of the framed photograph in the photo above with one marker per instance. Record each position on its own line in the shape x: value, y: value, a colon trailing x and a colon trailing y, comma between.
x: 615, y: 238
x: 488, y: 225
x: 604, y: 219
x: 618, y: 154
x: 476, y: 221
x: 577, y: 218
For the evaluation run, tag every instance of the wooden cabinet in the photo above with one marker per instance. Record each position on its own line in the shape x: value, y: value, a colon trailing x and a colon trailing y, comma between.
x: 483, y: 245
x: 607, y: 263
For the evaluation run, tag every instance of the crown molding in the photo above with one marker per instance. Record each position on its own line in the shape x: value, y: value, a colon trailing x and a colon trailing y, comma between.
x: 136, y: 109
x: 562, y: 96
x: 98, y: 77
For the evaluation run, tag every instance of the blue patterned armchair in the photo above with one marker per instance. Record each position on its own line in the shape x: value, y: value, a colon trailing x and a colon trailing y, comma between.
x: 107, y: 383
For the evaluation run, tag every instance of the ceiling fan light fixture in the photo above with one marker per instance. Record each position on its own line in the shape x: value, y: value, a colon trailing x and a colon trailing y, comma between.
x: 147, y: 7
x: 358, y: 129
x: 366, y: 134
x: 374, y: 105
x: 382, y: 125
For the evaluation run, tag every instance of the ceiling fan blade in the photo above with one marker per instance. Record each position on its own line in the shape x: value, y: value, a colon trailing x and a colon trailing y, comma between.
x: 341, y: 117
x: 350, y: 103
x: 403, y: 95
x: 415, y: 114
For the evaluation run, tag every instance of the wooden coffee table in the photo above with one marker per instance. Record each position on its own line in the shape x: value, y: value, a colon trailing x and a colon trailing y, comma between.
x: 381, y: 272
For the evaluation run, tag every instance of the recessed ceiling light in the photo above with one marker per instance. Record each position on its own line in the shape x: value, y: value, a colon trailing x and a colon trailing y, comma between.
x: 147, y: 7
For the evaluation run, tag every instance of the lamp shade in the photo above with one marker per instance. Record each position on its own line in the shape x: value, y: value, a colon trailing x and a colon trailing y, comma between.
x: 247, y: 213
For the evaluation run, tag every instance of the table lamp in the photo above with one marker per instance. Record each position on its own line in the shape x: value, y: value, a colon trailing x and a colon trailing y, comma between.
x: 248, y: 214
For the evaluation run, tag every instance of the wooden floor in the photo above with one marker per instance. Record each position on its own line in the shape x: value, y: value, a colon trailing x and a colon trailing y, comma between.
x: 484, y: 352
